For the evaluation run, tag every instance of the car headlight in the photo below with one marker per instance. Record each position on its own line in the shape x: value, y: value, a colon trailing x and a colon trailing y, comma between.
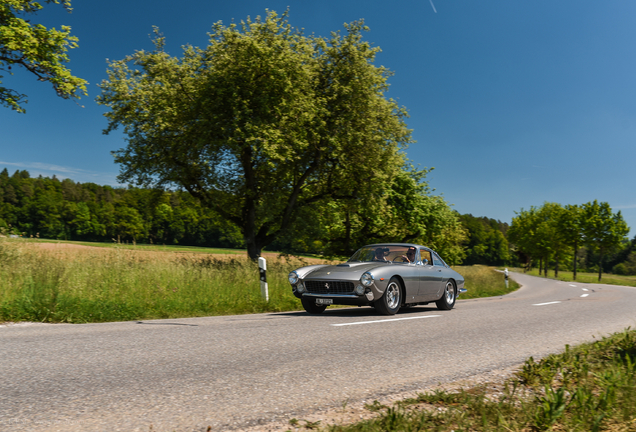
x: 359, y: 290
x: 300, y: 287
x: 366, y: 279
x: 293, y: 278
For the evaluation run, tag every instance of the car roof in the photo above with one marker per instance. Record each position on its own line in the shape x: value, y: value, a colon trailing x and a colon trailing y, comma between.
x: 398, y: 244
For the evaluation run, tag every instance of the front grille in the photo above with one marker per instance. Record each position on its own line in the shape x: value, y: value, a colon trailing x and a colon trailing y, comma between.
x: 329, y: 287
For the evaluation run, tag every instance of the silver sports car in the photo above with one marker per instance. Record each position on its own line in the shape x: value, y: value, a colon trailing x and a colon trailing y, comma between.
x: 386, y: 276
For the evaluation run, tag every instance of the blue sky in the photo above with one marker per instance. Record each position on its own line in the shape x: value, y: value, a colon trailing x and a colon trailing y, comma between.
x: 513, y: 102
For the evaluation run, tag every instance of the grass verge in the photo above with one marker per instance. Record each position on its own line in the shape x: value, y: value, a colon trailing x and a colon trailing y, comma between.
x: 484, y: 281
x: 590, y: 387
x: 567, y: 276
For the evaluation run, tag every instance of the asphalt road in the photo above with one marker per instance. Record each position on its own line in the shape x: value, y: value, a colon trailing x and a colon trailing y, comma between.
x: 234, y: 371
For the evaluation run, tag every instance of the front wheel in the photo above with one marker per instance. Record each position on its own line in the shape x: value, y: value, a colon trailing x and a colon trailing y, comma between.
x: 311, y: 307
x: 448, y: 298
x: 390, y: 301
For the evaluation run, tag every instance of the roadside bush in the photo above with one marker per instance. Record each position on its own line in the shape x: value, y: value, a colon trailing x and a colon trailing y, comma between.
x: 627, y: 267
x: 620, y: 269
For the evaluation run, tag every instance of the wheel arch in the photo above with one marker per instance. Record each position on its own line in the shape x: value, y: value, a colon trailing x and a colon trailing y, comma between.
x: 402, y: 287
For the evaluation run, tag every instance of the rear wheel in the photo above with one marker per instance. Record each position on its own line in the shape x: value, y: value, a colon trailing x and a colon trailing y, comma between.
x: 448, y: 298
x: 311, y: 307
x: 390, y: 301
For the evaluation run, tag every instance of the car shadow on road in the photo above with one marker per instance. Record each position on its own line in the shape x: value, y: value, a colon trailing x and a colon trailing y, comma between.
x: 362, y: 312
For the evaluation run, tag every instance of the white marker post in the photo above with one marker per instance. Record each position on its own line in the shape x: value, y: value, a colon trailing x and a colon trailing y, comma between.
x: 262, y: 269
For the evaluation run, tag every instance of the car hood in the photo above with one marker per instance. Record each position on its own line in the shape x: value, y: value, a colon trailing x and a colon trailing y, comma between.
x: 347, y: 270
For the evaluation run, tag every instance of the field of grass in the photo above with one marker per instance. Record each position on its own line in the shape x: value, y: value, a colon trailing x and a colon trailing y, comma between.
x: 143, y: 247
x: 591, y: 387
x: 118, y: 283
x: 567, y: 276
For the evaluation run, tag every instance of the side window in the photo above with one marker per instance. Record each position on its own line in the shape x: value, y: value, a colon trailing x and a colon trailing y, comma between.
x: 437, y: 260
x: 426, y: 255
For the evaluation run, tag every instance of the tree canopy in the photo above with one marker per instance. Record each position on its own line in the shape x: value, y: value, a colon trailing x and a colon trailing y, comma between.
x: 41, y: 51
x: 605, y: 231
x: 263, y: 122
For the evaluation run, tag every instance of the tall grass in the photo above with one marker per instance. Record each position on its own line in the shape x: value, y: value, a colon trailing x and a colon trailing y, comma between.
x: 118, y: 284
x: 114, y: 284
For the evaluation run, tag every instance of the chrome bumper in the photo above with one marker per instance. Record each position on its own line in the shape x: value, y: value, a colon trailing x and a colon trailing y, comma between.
x: 351, y: 296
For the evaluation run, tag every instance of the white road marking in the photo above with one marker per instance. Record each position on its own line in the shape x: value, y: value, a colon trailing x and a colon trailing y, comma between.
x: 543, y: 304
x: 572, y: 285
x: 585, y: 289
x: 385, y: 320
x: 584, y: 295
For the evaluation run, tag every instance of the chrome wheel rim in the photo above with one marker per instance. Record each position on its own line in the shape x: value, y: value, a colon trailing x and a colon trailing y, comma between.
x: 393, y: 295
x: 450, y: 293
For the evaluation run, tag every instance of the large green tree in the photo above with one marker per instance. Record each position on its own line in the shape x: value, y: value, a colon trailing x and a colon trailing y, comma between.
x: 604, y: 231
x: 41, y: 51
x: 536, y: 235
x: 523, y: 235
x: 260, y: 124
x: 570, y: 228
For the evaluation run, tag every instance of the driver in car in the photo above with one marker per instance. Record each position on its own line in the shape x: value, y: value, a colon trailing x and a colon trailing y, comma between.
x: 410, y: 255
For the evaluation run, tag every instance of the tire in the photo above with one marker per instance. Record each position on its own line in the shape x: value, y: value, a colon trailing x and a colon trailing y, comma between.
x: 448, y: 297
x: 391, y: 300
x: 309, y: 303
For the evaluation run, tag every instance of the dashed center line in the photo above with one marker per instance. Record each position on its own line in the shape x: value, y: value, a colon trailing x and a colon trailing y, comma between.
x: 548, y: 303
x: 572, y: 285
x: 584, y: 295
x: 384, y: 320
x: 585, y: 289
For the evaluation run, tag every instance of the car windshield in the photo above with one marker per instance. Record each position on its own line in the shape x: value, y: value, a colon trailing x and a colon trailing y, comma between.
x: 385, y: 253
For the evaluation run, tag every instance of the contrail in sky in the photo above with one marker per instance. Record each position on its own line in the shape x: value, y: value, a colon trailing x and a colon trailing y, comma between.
x: 433, y: 6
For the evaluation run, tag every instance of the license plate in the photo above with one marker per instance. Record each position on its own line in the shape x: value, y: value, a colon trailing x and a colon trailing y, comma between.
x: 324, y: 301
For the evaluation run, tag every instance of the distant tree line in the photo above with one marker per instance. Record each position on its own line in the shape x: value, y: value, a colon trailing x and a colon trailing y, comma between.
x: 590, y: 235
x: 487, y: 241
x: 63, y: 209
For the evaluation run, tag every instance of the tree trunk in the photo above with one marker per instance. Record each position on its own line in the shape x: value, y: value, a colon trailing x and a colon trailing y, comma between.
x: 253, y: 251
x: 576, y: 253
x: 556, y: 268
x: 540, y: 266
x: 249, y: 205
x: 253, y: 242
x: 600, y: 266
x: 347, y: 244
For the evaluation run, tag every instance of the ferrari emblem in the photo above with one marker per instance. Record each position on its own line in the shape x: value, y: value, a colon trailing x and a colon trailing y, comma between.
x: 327, y: 285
